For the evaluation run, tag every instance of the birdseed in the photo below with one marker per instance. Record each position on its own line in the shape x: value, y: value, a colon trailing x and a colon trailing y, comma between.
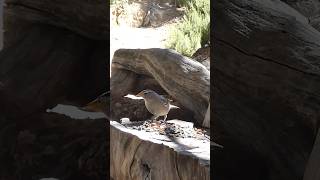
x: 172, y: 130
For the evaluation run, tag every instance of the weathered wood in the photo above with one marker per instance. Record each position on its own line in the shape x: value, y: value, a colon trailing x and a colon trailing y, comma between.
x: 186, y: 80
x: 47, y: 66
x: 309, y: 8
x: 44, y: 72
x: 267, y: 92
x: 137, y: 155
x: 206, y: 122
x: 88, y: 18
x: 121, y: 83
x: 312, y: 171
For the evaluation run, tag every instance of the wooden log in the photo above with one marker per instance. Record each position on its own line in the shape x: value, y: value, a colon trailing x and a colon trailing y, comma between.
x: 88, y: 18
x: 51, y: 65
x: 309, y: 8
x: 137, y: 155
x: 312, y: 171
x: 206, y: 122
x: 186, y: 80
x: 267, y: 91
x: 121, y: 83
x: 42, y: 78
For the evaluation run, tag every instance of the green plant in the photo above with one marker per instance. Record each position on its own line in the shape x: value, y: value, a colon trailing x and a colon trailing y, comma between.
x: 182, y: 3
x: 193, y: 32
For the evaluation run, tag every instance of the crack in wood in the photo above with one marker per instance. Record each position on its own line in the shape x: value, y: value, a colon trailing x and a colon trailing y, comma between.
x: 132, y: 160
x: 147, y: 169
x: 176, y: 165
x: 263, y: 58
x: 24, y: 6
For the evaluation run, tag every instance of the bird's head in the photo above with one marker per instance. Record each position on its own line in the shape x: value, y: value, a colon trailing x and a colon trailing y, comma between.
x: 145, y: 93
x: 100, y: 104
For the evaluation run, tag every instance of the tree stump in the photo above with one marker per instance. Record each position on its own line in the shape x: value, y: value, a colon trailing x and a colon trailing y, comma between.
x: 137, y: 155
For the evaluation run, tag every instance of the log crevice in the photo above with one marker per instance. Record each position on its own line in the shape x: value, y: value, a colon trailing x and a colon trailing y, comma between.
x: 264, y: 58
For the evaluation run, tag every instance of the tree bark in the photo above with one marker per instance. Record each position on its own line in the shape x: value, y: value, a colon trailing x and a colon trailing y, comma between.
x: 136, y: 155
x: 88, y: 18
x: 312, y: 171
x: 266, y: 89
x: 206, y: 122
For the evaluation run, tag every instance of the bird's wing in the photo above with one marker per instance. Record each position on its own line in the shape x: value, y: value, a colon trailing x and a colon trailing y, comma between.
x: 167, y: 102
x: 164, y: 100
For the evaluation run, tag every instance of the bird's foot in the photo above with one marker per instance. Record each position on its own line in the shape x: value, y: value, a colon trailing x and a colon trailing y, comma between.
x: 164, y: 119
x: 162, y: 122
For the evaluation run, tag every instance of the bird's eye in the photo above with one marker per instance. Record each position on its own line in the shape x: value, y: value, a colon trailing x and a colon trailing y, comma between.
x: 146, y: 92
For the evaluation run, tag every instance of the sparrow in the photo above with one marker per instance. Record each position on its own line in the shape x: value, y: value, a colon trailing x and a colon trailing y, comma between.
x: 156, y: 104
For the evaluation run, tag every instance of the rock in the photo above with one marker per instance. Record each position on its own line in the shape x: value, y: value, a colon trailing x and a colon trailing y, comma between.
x: 202, y: 55
x: 184, y: 79
x: 171, y: 2
x: 144, y: 13
x: 132, y: 14
x: 158, y: 14
x: 266, y: 90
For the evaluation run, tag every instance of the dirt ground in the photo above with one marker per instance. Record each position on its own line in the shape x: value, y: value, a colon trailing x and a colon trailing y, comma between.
x: 133, y: 38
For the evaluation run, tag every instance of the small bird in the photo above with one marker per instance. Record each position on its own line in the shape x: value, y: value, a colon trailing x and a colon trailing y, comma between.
x: 100, y: 104
x: 156, y: 104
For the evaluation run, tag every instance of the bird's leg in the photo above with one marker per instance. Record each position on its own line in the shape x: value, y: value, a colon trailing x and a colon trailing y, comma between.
x: 153, y: 118
x: 165, y: 117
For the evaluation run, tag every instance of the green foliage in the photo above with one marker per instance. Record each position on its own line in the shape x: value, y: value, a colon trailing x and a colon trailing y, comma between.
x: 193, y: 32
x: 183, y: 3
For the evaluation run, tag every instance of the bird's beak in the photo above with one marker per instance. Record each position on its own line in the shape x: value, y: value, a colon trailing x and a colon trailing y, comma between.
x: 94, y: 106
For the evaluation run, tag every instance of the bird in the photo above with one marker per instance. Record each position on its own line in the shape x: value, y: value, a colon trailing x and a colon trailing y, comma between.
x: 100, y: 104
x: 156, y: 104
